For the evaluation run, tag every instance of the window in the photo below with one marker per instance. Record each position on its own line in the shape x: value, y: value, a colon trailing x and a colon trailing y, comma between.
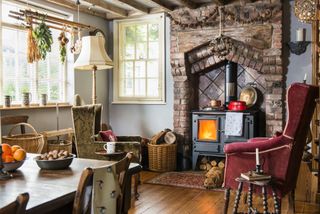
x: 139, y: 60
x: 17, y: 75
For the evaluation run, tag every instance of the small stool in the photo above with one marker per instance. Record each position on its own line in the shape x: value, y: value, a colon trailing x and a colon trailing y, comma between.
x: 263, y: 184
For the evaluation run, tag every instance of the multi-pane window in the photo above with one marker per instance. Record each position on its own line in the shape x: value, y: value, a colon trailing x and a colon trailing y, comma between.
x: 139, y: 60
x: 17, y: 75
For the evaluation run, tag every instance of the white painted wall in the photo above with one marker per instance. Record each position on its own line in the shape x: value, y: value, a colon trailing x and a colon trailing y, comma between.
x: 45, y: 119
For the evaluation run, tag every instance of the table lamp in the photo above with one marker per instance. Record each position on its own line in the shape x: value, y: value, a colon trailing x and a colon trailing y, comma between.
x: 93, y: 56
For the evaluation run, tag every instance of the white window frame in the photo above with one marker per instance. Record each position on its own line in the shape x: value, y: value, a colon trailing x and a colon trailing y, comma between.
x: 67, y: 89
x: 118, y: 25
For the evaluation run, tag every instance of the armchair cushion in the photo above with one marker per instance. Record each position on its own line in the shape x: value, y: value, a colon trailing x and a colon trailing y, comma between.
x: 108, y: 136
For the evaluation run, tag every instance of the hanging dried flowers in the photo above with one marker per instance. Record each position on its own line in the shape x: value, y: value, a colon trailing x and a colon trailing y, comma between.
x: 32, y: 48
x: 63, y: 42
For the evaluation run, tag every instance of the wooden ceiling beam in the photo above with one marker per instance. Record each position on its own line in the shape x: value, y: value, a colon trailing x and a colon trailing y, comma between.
x: 72, y: 6
x: 109, y: 7
x: 161, y: 4
x: 136, y: 5
x: 188, y: 3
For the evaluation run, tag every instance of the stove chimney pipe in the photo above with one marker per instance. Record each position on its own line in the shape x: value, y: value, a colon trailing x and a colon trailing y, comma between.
x: 230, y: 91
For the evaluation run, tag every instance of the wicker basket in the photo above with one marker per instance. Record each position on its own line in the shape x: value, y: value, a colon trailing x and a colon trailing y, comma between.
x: 162, y: 158
x: 65, y: 145
x: 31, y: 142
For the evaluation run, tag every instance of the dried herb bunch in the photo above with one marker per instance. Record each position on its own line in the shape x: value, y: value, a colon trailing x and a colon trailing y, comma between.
x: 32, y: 50
x: 63, y: 42
x: 43, y: 37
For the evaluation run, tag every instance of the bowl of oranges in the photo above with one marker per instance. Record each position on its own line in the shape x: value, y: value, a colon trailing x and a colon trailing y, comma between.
x: 12, y: 157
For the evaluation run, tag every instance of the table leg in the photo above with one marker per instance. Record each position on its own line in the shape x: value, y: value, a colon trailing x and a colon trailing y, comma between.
x: 237, y: 199
x: 226, y: 200
x: 275, y: 199
x: 249, y: 198
x: 265, y: 200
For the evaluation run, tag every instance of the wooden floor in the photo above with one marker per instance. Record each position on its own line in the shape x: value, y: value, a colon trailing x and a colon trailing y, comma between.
x: 156, y: 199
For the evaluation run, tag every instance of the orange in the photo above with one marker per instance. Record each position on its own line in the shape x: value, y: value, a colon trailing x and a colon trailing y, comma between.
x: 19, y: 155
x: 15, y: 148
x: 6, y: 149
x: 8, y: 159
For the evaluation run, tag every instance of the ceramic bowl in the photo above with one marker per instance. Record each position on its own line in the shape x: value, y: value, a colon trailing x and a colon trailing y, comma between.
x: 54, y: 164
x: 12, y: 166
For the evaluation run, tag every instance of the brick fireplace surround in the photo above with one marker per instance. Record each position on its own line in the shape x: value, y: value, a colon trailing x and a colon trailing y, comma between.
x: 252, y: 37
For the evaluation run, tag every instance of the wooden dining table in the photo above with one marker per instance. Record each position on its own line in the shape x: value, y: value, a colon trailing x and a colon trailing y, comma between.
x: 49, y: 190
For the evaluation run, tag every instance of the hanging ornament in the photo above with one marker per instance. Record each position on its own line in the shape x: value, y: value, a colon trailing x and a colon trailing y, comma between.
x: 63, y: 42
x: 78, y: 44
x: 306, y: 10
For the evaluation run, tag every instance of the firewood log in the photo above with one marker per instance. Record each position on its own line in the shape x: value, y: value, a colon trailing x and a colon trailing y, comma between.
x: 203, y: 167
x: 221, y: 164
x: 204, y: 160
x: 213, y: 163
x: 208, y: 166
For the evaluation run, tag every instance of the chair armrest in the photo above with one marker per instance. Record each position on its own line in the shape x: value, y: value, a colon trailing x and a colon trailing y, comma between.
x: 240, y: 147
x: 258, y: 139
x: 129, y: 138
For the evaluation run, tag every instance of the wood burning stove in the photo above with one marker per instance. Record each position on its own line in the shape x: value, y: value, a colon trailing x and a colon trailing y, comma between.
x: 208, y: 132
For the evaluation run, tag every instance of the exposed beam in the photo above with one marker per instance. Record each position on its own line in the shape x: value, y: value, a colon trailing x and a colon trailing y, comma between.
x: 135, y: 5
x: 109, y: 7
x: 161, y: 4
x: 72, y: 6
x: 188, y: 3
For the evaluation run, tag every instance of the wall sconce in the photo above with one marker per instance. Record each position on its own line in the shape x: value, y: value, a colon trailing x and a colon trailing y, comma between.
x: 300, y: 45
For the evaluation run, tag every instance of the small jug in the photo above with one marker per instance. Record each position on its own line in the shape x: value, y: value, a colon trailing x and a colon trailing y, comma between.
x: 26, y: 98
x: 7, y: 101
x: 44, y: 98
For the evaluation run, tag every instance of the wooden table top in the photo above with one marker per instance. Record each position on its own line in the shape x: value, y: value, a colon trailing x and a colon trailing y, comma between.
x: 48, y: 189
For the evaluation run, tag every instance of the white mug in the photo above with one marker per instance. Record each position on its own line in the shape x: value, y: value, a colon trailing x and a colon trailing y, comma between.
x: 110, y: 147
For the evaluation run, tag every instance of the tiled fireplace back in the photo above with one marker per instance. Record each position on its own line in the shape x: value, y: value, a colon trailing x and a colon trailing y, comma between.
x: 251, y: 37
x: 212, y: 84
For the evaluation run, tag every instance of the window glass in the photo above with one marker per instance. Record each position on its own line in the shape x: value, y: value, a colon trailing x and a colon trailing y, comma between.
x: 139, y: 70
x: 18, y: 76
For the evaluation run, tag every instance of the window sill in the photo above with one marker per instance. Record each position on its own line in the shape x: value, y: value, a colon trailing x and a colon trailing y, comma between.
x: 35, y: 106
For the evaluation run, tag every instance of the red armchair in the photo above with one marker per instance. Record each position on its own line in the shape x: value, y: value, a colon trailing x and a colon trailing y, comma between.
x: 279, y: 156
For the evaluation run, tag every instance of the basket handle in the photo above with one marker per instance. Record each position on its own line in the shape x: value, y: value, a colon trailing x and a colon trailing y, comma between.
x: 21, y: 124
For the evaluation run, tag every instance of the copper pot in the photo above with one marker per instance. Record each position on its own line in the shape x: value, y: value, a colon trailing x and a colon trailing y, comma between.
x: 215, y: 103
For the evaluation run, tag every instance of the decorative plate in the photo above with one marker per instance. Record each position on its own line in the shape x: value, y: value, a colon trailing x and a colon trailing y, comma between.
x: 249, y: 95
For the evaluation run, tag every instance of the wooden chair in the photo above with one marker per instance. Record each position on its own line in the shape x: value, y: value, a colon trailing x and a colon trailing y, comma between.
x: 82, y: 202
x: 18, y: 206
x: 14, y: 119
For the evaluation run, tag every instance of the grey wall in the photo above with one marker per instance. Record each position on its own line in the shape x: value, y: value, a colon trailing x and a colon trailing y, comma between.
x: 45, y: 119
x: 296, y: 65
x: 144, y: 120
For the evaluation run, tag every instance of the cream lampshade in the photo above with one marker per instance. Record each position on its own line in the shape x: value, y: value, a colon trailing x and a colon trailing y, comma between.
x: 93, y: 57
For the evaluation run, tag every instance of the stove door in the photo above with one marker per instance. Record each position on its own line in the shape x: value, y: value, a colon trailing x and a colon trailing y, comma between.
x: 206, y: 128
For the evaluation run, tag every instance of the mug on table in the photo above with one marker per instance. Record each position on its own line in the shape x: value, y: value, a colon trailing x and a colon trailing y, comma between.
x: 110, y: 147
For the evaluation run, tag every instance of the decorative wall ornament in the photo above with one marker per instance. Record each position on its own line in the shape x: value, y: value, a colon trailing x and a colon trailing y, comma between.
x: 208, y: 16
x: 222, y: 46
x: 306, y: 10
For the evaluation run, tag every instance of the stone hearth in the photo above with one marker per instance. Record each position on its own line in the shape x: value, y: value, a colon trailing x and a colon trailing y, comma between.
x: 252, y: 37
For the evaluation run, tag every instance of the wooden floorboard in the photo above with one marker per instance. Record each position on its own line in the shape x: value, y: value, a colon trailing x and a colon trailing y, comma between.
x: 156, y: 199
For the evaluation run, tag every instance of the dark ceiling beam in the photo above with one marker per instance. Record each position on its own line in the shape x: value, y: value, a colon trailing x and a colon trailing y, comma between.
x: 73, y: 6
x: 136, y: 5
x: 188, y: 3
x: 108, y: 7
x: 162, y: 5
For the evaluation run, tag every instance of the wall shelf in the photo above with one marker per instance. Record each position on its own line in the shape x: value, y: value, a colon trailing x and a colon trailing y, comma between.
x: 34, y: 106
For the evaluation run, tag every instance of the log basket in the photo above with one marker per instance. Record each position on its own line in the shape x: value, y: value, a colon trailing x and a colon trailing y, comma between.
x: 31, y: 142
x: 163, y: 157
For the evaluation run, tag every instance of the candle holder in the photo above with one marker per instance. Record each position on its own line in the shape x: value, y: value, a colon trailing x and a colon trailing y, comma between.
x: 258, y: 170
x: 298, y: 48
x: 3, y: 175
